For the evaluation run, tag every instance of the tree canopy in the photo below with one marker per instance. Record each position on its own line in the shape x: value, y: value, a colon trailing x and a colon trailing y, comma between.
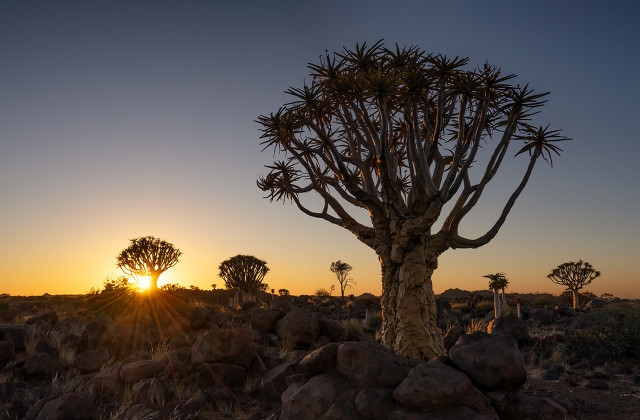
x: 244, y: 273
x: 148, y: 256
x: 574, y: 276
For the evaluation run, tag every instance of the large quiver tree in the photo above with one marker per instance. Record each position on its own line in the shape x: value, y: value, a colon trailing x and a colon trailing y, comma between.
x: 574, y: 276
x: 148, y: 256
x: 244, y: 273
x: 397, y: 134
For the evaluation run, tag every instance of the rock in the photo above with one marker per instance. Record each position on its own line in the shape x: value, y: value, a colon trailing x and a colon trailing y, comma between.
x: 452, y: 336
x: 597, y: 384
x: 320, y: 360
x: 106, y: 384
x: 94, y: 334
x: 371, y: 365
x: 493, y: 362
x: 281, y: 305
x: 44, y: 347
x: 197, y: 318
x: 531, y: 407
x: 188, y: 409
x: 41, y: 365
x: 510, y: 324
x: 434, y: 386
x: 453, y: 413
x: 92, y: 360
x: 374, y: 403
x: 68, y: 407
x: 313, y: 399
x: 332, y: 329
x: 277, y: 376
x: 218, y: 374
x: 50, y: 317
x: 225, y: 346
x: 265, y: 319
x: 141, y: 369
x: 7, y: 350
x: 16, y: 333
x: 179, y: 360
x: 300, y: 326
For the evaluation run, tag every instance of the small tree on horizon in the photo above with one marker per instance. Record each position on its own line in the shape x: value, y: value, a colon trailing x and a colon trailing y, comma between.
x: 497, y: 282
x: 148, y: 256
x: 342, y: 270
x: 389, y: 143
x: 244, y: 273
x: 574, y: 276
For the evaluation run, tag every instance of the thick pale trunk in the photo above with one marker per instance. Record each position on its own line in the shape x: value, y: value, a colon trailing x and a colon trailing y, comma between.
x: 576, y: 299
x: 153, y: 282
x: 496, y: 303
x: 409, y: 313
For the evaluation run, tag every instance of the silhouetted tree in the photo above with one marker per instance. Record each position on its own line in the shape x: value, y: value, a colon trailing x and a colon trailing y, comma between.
x: 342, y: 270
x: 497, y: 282
x: 283, y: 292
x: 244, y: 273
x: 393, y: 136
x: 574, y: 276
x: 148, y: 256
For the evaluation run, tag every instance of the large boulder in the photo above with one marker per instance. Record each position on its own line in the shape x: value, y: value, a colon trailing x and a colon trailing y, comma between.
x: 265, y: 319
x: 41, y: 365
x: 320, y: 360
x: 16, y: 333
x: 314, y: 399
x: 141, y: 369
x: 7, y: 350
x: 510, y: 324
x: 92, y: 360
x: 332, y: 329
x: 300, y: 326
x: 371, y: 365
x: 50, y: 317
x: 434, y: 386
x: 493, y: 362
x: 94, y: 334
x: 452, y: 336
x: 68, y: 407
x: 226, y: 346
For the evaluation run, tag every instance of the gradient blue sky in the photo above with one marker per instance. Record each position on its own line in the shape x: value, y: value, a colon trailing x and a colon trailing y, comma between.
x: 121, y: 119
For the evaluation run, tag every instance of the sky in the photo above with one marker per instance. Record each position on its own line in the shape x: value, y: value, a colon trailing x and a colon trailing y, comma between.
x: 121, y: 119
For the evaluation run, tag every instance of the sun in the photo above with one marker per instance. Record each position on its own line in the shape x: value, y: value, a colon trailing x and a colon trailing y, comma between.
x: 143, y: 283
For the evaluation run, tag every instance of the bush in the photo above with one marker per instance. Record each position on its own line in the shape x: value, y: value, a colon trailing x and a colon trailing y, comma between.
x: 354, y: 329
x: 543, y: 300
x: 375, y: 320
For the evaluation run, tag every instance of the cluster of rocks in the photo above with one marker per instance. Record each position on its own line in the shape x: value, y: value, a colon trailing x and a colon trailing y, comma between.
x: 233, y: 361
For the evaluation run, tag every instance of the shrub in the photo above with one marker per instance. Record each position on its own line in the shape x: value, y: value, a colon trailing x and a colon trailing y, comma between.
x: 485, y: 306
x: 375, y: 320
x: 354, y: 328
x: 322, y: 293
x: 542, y: 300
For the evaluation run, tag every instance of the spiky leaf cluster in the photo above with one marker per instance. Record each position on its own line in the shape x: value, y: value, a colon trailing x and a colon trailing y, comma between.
x: 148, y: 256
x: 395, y: 131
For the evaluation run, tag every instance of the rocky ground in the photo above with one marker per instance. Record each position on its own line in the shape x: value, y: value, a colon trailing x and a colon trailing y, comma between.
x: 122, y: 355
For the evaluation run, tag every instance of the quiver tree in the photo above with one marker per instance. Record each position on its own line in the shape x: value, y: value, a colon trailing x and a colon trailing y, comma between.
x: 244, y: 273
x: 342, y: 270
x: 574, y: 276
x: 396, y: 134
x: 148, y: 256
x: 497, y: 282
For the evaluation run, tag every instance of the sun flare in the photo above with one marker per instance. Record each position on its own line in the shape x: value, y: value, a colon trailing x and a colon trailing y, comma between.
x: 143, y: 283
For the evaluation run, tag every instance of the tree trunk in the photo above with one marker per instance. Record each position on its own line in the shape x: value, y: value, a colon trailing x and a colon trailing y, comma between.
x: 496, y: 303
x: 576, y: 299
x: 153, y: 282
x: 409, y: 313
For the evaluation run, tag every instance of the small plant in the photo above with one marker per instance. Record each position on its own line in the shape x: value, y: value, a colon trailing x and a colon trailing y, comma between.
x: 354, y: 328
x: 322, y: 293
x: 476, y: 325
x: 375, y: 320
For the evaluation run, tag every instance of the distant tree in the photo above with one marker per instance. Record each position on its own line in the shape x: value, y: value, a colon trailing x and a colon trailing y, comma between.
x: 148, y: 256
x: 322, y: 293
x: 117, y: 284
x: 342, y: 270
x: 574, y: 276
x: 244, y: 273
x: 497, y: 282
x: 409, y: 140
x: 172, y: 287
x: 283, y: 292
x: 213, y: 286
